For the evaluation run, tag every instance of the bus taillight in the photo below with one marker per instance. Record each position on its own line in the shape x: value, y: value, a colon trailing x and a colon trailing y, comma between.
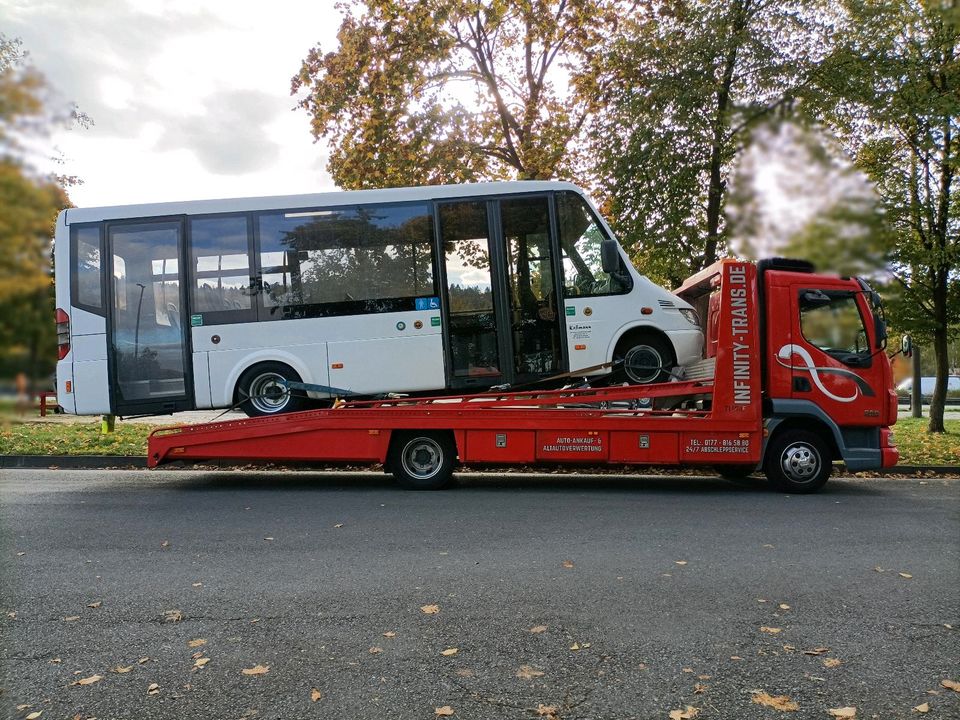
x: 63, y: 334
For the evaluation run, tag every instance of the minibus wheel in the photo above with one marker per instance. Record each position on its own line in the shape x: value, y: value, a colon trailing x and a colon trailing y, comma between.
x: 422, y: 460
x: 644, y: 358
x: 261, y: 390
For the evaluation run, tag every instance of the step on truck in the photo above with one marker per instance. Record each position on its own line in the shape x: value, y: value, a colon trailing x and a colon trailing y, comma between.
x: 795, y: 376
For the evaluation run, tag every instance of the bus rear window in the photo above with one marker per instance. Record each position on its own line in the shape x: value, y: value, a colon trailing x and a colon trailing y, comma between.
x: 87, y: 279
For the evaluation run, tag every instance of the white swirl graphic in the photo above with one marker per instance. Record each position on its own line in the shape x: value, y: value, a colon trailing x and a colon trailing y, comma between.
x: 788, y: 350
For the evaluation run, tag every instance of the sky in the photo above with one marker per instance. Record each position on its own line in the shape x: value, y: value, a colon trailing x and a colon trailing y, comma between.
x: 190, y: 99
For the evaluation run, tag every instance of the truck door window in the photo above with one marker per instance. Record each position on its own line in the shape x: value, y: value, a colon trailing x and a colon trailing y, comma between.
x: 832, y: 322
x: 580, y: 238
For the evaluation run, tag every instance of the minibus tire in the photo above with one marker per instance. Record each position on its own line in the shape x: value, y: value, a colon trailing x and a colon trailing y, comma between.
x: 422, y: 460
x: 797, y: 461
x: 643, y: 348
x: 260, y: 379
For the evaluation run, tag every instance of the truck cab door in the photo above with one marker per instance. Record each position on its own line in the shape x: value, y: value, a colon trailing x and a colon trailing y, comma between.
x: 830, y: 356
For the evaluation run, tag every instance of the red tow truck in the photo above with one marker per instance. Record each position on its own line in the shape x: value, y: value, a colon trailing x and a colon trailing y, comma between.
x: 795, y: 376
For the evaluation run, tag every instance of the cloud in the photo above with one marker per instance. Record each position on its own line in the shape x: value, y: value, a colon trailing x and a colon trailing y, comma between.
x: 229, y: 135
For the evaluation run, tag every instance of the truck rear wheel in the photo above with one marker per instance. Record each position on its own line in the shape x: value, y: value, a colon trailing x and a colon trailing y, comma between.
x: 423, y: 460
x: 797, y: 461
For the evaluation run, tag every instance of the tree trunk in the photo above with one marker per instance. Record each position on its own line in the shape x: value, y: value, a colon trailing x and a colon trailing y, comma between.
x: 939, y: 399
x: 916, y: 396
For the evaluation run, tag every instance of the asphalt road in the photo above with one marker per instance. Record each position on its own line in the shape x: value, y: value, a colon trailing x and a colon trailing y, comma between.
x: 600, y: 598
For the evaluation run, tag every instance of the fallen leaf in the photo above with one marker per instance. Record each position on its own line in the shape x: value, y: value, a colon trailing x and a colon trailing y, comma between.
x: 844, y: 712
x: 165, y: 543
x: 789, y: 648
x: 761, y: 600
x: 12, y: 615
x: 832, y: 662
x: 527, y: 672
x: 817, y: 651
x: 143, y: 660
x: 465, y: 672
x: 690, y: 712
x: 200, y: 662
x: 71, y: 618
x: 256, y: 670
x: 389, y: 634
x: 96, y: 604
x: 315, y: 695
x: 172, y: 616
x: 768, y: 545
x: 338, y: 525
x: 687, y: 670
x: 21, y: 554
x: 375, y: 650
x: 450, y: 651
x: 879, y: 569
x: 197, y: 654
x: 783, y: 606
x: 736, y: 657
x: 88, y: 680
x: 153, y: 689
x: 703, y: 677
x: 905, y: 575
x: 680, y: 562
x: 951, y: 685
x: 122, y: 669
x: 924, y: 708
x: 567, y: 564
x: 55, y: 661
x: 778, y: 702
x: 430, y: 609
x: 197, y: 642
x: 575, y: 647
x: 23, y: 707
x: 538, y: 629
x: 700, y: 688
x: 444, y: 711
x: 547, y: 711
x: 34, y: 715
x: 770, y: 630
x: 198, y: 584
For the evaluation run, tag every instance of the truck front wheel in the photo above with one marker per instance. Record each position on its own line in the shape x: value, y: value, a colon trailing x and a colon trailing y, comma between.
x: 423, y: 460
x: 797, y: 461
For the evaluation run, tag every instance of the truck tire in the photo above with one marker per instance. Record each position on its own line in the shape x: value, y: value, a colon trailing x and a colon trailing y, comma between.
x: 797, y: 461
x: 645, y: 358
x: 262, y: 393
x: 423, y: 460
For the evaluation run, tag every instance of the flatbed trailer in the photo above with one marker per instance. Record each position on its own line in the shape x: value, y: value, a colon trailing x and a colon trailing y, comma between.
x: 733, y: 417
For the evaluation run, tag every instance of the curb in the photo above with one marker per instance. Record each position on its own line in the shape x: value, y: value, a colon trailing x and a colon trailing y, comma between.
x: 110, y: 462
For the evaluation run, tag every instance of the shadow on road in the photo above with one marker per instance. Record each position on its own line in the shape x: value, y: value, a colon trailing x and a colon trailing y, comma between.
x: 473, y: 482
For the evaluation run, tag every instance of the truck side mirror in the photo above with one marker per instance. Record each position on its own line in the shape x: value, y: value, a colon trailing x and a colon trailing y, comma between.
x: 609, y: 256
x: 811, y: 299
x: 906, y: 346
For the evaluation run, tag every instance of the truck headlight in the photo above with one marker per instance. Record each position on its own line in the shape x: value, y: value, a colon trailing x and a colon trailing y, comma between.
x: 691, y: 316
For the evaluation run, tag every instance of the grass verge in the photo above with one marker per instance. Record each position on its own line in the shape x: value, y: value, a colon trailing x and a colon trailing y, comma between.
x: 917, y: 446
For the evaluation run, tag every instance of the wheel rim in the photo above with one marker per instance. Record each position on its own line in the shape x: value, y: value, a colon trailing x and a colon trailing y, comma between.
x: 642, y: 364
x: 422, y: 458
x: 800, y: 463
x: 269, y: 393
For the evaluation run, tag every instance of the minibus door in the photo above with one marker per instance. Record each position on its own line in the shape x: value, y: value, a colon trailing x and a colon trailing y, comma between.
x: 147, y: 348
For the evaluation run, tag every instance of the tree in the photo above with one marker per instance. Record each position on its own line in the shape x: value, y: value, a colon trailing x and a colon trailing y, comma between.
x: 891, y: 93
x: 687, y: 83
x: 29, y: 203
x: 423, y: 92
